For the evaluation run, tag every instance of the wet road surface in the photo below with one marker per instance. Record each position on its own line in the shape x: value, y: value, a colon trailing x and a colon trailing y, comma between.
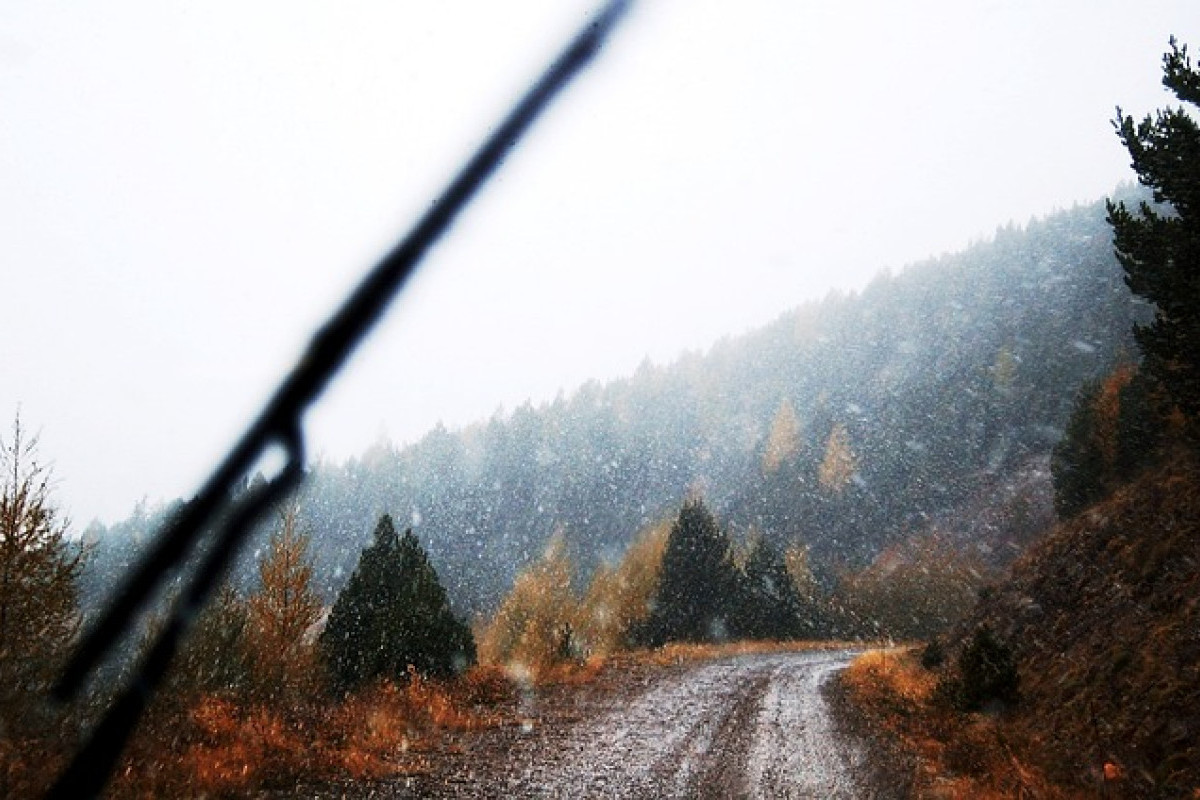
x: 755, y: 726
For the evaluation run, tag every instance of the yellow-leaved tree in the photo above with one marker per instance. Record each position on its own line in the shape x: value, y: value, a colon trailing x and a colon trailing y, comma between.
x: 39, y: 612
x: 619, y: 596
x: 839, y: 465
x: 281, y: 614
x: 532, y: 629
x: 783, y: 440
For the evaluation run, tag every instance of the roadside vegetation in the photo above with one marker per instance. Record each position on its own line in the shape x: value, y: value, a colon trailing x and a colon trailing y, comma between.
x: 1057, y: 664
x: 1078, y: 675
x: 273, y: 688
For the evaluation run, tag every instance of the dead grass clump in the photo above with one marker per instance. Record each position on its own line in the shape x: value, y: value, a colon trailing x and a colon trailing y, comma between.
x: 885, y: 680
x: 29, y: 766
x: 216, y: 746
x: 484, y: 687
x: 370, y: 735
x: 240, y: 750
x: 575, y: 672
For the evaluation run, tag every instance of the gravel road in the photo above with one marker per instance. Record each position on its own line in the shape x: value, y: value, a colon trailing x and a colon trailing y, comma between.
x: 754, y: 726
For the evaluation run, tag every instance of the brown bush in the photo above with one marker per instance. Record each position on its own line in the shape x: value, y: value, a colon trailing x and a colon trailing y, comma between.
x: 216, y: 746
x: 912, y: 591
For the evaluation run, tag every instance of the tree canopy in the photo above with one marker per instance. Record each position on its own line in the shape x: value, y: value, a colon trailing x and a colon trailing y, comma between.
x: 393, y: 615
x: 281, y: 612
x: 698, y: 582
x: 1159, y: 245
x: 39, y: 566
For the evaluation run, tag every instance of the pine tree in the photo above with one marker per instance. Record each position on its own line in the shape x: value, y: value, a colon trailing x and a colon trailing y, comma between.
x: 698, y: 583
x: 393, y: 614
x: 39, y: 570
x: 771, y: 604
x: 1115, y: 430
x: 1077, y: 462
x: 813, y: 611
x: 281, y: 613
x: 1160, y: 247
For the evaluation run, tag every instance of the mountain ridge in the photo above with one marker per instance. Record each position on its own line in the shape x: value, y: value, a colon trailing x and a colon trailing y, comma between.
x: 937, y: 381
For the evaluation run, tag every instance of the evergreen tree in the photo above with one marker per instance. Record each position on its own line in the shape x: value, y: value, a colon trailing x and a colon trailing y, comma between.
x: 698, y: 583
x: 813, y: 612
x: 393, y: 614
x: 770, y: 603
x: 1160, y: 247
x: 987, y: 675
x: 1116, y: 429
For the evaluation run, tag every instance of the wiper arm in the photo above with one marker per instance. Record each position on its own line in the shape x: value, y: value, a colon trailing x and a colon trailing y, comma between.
x: 280, y: 424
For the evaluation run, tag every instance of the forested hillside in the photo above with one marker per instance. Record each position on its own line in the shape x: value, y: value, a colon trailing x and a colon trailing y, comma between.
x: 844, y: 426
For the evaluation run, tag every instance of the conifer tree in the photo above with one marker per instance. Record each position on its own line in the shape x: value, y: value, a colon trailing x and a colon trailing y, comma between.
x: 813, y: 611
x: 281, y: 613
x: 1115, y: 430
x: 39, y: 570
x: 698, y: 583
x: 392, y: 615
x: 213, y: 656
x: 771, y: 604
x: 1160, y: 247
x: 1077, y: 463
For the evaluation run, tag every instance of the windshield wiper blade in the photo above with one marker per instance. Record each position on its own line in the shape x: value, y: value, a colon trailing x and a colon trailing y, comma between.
x: 279, y: 424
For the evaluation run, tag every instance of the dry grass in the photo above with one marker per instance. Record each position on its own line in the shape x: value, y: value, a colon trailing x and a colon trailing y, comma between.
x: 956, y: 756
x: 881, y: 679
x: 688, y: 652
x: 216, y: 747
x: 29, y: 766
x: 1102, y: 618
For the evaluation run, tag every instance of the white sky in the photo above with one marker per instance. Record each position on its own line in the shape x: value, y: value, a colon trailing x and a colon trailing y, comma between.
x: 187, y: 189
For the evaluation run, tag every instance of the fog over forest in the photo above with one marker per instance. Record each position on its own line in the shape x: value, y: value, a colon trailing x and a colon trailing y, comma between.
x: 847, y: 426
x: 691, y: 441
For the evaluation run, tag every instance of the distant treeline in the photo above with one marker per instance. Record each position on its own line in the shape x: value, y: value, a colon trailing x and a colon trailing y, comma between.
x: 843, y: 427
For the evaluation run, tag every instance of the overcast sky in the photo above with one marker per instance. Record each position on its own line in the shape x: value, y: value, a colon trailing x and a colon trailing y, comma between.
x: 187, y: 189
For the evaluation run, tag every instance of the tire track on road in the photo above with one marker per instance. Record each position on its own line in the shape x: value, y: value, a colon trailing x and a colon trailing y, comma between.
x: 754, y: 726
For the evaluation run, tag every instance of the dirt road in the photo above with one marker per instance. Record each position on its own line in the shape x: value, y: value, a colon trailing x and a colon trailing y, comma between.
x: 753, y: 726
